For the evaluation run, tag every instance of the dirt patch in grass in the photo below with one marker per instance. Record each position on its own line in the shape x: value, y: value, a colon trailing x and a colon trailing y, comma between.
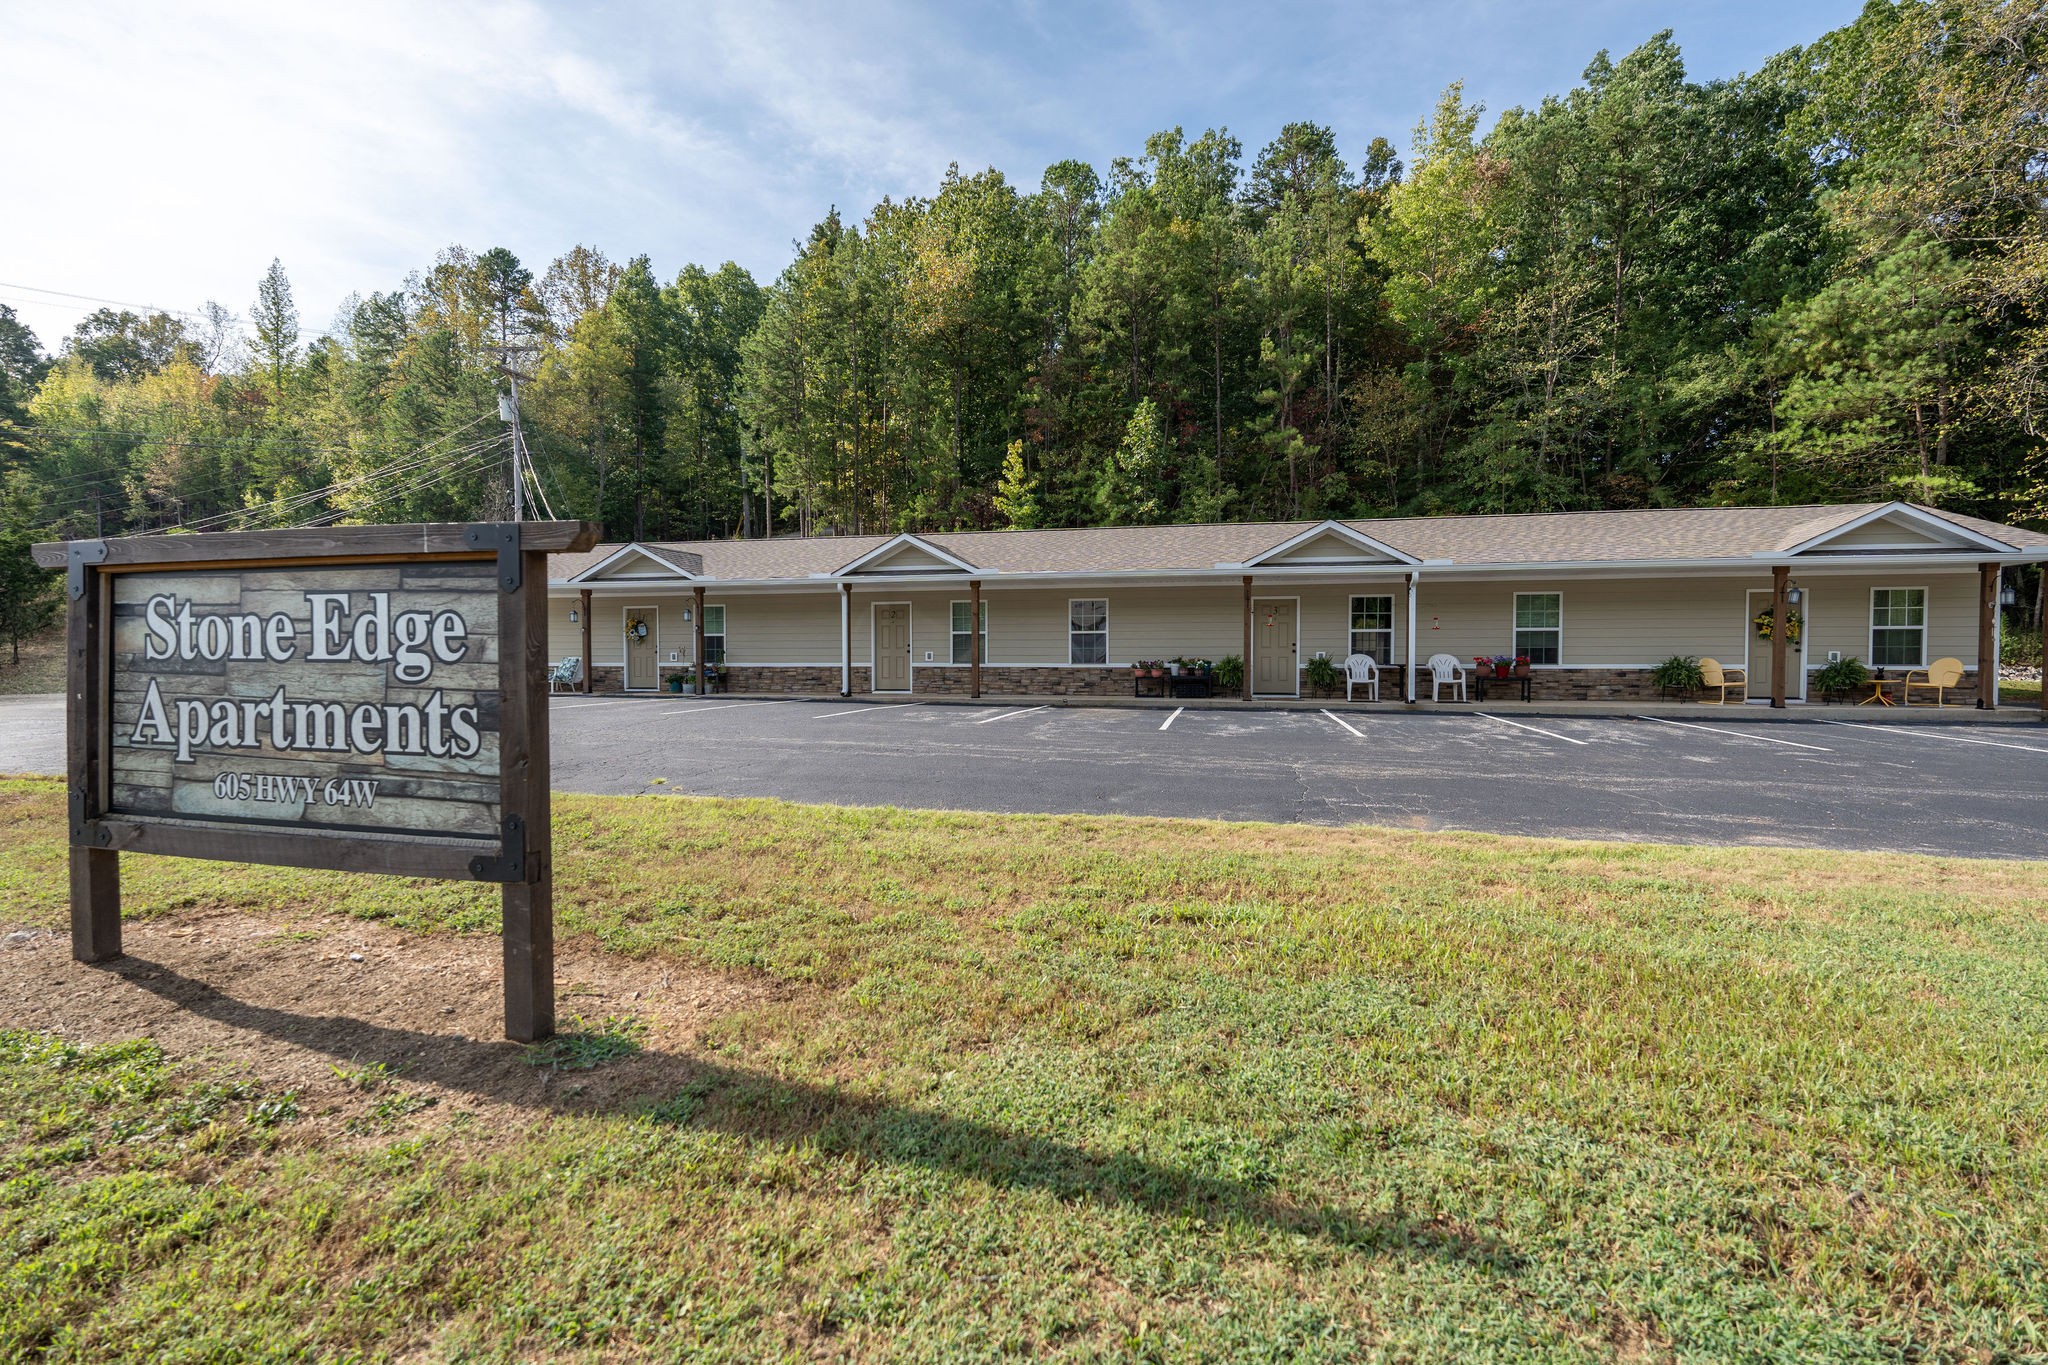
x: 327, y: 1006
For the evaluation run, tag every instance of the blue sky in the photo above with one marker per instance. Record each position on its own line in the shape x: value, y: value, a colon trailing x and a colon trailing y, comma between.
x: 171, y: 151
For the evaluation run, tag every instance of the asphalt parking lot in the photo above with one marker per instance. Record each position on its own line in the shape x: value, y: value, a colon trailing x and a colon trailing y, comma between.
x: 1970, y: 790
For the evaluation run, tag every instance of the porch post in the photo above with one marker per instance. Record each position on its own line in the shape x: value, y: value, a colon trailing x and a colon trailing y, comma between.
x: 1781, y: 575
x: 1987, y: 637
x: 1247, y: 637
x: 698, y: 617
x: 846, y: 639
x: 1408, y: 675
x: 974, y: 637
x: 587, y: 660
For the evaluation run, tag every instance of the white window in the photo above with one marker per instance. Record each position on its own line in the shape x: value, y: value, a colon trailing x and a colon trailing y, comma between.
x: 1372, y: 627
x: 714, y: 635
x: 1898, y: 627
x: 962, y: 640
x: 1088, y: 631
x: 1539, y: 626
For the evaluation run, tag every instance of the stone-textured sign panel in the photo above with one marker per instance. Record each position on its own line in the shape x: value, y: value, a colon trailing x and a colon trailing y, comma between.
x: 357, y: 698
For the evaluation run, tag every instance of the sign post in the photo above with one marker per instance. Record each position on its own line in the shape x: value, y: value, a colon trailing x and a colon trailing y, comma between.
x: 367, y: 698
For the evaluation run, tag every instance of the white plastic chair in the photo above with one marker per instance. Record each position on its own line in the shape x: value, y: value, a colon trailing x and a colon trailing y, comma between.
x: 1360, y: 668
x: 566, y: 672
x: 1445, y: 671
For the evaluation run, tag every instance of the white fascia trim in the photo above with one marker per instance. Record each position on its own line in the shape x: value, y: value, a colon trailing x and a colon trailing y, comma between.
x: 902, y: 541
x: 1427, y: 570
x: 1937, y: 525
x: 1329, y: 528
x: 621, y: 552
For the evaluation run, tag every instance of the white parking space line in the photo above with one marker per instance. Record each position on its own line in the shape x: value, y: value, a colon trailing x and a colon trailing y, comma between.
x: 1550, y: 734
x: 1343, y: 722
x: 1005, y: 715
x: 889, y: 706
x: 1934, y: 734
x: 1172, y: 718
x: 724, y: 706
x: 1739, y: 734
x: 578, y: 706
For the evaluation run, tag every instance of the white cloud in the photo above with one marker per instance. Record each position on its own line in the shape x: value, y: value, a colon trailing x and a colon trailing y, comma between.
x: 163, y: 154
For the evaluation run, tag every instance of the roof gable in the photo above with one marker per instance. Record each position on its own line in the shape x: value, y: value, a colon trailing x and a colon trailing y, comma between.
x: 1327, y: 544
x: 641, y: 561
x: 1896, y: 527
x: 906, y: 554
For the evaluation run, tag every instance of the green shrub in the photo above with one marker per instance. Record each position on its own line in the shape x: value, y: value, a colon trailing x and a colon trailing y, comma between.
x: 1680, y: 673
x: 1846, y: 674
x: 1230, y: 673
x: 1322, y: 674
x: 2020, y: 648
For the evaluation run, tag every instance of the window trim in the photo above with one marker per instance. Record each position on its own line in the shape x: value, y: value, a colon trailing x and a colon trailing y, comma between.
x: 1515, y: 626
x: 1072, y: 662
x: 953, y: 636
x: 1351, y: 632
x: 710, y: 634
x: 1871, y: 627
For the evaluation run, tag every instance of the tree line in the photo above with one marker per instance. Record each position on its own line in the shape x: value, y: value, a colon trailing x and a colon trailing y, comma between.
x: 1822, y: 281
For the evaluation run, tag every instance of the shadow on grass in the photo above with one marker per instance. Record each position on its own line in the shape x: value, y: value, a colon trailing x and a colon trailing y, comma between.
x: 687, y: 1091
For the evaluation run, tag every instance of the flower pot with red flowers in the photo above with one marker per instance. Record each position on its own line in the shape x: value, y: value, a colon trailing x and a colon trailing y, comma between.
x: 1482, y: 667
x: 1521, y: 665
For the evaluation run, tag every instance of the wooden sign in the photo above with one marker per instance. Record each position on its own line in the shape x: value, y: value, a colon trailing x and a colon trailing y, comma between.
x: 370, y: 699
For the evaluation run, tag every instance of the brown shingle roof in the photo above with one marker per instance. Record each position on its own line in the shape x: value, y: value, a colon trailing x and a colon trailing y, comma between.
x: 1676, y: 533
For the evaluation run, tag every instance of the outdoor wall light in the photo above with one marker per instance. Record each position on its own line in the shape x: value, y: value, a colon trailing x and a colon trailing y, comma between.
x: 2008, y: 597
x: 686, y: 613
x: 573, y: 618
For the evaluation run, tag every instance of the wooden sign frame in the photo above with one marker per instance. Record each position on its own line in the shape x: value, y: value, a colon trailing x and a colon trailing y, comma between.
x: 520, y: 859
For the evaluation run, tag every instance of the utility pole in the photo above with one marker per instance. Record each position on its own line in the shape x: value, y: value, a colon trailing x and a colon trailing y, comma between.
x: 508, y: 413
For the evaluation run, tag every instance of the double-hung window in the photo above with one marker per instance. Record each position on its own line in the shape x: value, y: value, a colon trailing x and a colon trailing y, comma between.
x: 1088, y: 630
x: 963, y: 636
x: 714, y: 635
x: 1539, y: 626
x: 1372, y: 627
x: 1898, y: 627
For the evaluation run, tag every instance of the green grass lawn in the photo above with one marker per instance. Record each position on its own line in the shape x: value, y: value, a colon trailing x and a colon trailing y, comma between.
x: 1102, y: 1089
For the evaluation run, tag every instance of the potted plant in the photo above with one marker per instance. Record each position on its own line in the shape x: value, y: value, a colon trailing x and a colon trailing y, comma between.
x: 1323, y: 675
x: 1230, y: 673
x: 1521, y: 663
x: 1482, y: 666
x: 1842, y: 678
x: 1680, y: 673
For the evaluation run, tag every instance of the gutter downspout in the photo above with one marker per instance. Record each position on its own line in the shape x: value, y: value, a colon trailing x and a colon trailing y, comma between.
x: 846, y: 639
x: 1408, y: 676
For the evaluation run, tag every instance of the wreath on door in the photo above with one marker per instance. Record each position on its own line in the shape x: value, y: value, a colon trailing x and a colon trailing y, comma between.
x: 1766, y: 624
x: 636, y: 627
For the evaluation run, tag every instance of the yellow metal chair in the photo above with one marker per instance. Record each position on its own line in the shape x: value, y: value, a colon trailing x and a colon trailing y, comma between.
x: 1713, y: 675
x: 1938, y: 677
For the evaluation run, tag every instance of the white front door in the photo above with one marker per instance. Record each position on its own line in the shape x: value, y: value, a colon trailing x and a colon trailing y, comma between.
x: 1759, y: 660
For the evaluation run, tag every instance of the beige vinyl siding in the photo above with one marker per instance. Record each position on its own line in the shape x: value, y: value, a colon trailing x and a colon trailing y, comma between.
x: 608, y: 627
x: 781, y: 628
x: 1608, y: 622
x: 1839, y: 616
x: 1883, y: 531
x: 1637, y: 622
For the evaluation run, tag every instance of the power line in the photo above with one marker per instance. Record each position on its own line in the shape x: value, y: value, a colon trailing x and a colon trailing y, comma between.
x: 310, y: 496
x: 94, y: 298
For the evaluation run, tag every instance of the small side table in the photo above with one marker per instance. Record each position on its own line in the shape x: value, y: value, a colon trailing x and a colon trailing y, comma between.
x: 1877, y: 687
x: 1480, y: 683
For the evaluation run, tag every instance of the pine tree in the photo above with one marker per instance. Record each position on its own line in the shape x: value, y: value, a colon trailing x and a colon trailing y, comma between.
x: 276, y: 319
x: 1017, y: 494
